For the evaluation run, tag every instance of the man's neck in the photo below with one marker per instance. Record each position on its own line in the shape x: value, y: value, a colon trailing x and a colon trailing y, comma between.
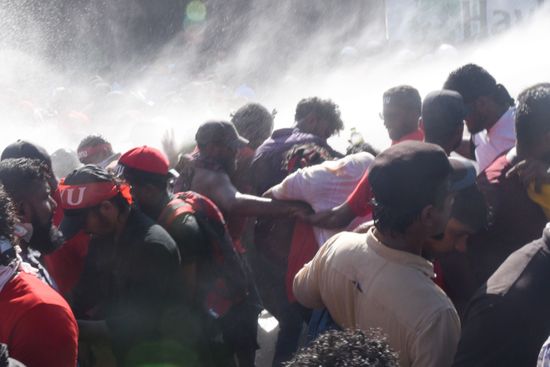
x: 400, y: 242
x: 408, y: 132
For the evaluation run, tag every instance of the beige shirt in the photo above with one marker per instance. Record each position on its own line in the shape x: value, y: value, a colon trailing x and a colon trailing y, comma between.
x: 365, y: 284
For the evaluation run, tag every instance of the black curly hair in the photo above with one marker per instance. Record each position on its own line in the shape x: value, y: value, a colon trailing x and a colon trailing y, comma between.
x: 92, y: 141
x: 253, y: 122
x: 19, y: 175
x: 323, y: 108
x: 472, y: 81
x: 7, y: 215
x: 347, y: 348
x: 533, y: 114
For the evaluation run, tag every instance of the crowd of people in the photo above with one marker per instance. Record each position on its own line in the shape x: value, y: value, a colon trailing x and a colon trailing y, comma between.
x: 430, y: 253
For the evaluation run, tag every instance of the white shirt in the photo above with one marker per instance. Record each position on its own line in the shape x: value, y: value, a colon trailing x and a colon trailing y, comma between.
x: 325, y: 186
x: 495, y: 141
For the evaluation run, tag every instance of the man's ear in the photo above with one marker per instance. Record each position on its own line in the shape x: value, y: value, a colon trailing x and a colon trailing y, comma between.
x: 427, y: 217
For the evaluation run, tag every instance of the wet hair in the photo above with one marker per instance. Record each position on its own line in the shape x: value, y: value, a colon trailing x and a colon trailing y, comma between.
x: 405, y: 96
x: 324, y: 109
x: 405, y: 179
x: 19, y: 176
x: 533, y: 113
x: 472, y: 81
x: 138, y: 177
x: 347, y: 348
x: 363, y: 147
x: 396, y: 219
x: 7, y: 215
x: 471, y: 209
x: 92, y: 141
x: 253, y: 122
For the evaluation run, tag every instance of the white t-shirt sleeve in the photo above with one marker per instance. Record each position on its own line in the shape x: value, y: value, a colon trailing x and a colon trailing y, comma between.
x: 292, y: 187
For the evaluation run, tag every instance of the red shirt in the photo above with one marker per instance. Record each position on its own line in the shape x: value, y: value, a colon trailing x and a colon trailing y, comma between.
x: 417, y: 135
x: 37, y: 324
x: 66, y: 264
x: 302, y: 250
x: 360, y: 198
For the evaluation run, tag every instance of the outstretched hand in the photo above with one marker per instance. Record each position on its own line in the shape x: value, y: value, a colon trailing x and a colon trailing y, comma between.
x: 169, y: 145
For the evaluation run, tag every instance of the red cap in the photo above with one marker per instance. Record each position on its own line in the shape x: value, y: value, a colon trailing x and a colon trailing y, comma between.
x: 146, y: 159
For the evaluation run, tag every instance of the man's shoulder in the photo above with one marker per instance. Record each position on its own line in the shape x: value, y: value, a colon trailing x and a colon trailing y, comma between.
x: 277, y: 137
x: 351, y: 238
x: 26, y: 292
x: 143, y: 229
x: 345, y: 243
x: 204, y: 176
x: 530, y: 263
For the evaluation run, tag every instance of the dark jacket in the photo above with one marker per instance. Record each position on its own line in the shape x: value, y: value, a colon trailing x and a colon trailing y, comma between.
x: 507, y: 322
x: 134, y: 284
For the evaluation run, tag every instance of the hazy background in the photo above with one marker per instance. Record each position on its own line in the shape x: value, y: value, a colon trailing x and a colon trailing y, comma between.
x: 133, y: 69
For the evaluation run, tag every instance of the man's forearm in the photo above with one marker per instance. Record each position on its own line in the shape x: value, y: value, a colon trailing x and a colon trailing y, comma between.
x: 249, y: 205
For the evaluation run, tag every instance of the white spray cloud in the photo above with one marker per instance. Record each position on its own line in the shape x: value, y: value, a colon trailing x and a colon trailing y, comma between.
x: 178, y: 90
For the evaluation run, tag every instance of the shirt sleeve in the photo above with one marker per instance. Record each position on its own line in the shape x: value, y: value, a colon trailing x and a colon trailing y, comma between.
x: 291, y: 188
x: 185, y: 230
x: 359, y: 200
x: 47, y: 336
x: 435, y: 345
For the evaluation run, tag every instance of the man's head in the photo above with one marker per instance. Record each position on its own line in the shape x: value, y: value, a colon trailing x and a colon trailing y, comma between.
x: 401, y: 111
x: 26, y: 182
x: 253, y: 122
x: 146, y: 170
x: 25, y: 149
x: 64, y: 162
x: 219, y: 141
x: 485, y: 100
x: 93, y: 201
x: 533, y: 123
x: 94, y: 149
x: 411, y: 186
x: 443, y: 115
x: 347, y: 348
x: 469, y: 212
x: 320, y: 117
